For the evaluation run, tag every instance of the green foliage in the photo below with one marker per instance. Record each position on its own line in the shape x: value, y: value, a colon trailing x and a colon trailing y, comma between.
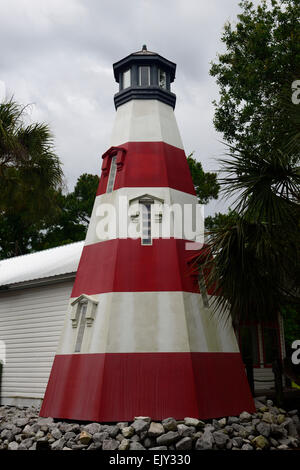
x: 30, y: 176
x: 206, y: 184
x: 262, y: 59
x: 290, y: 314
x: 256, y: 252
x: 219, y: 220
x: 75, y: 208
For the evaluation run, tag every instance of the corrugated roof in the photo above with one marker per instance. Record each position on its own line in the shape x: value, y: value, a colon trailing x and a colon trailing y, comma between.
x: 52, y: 262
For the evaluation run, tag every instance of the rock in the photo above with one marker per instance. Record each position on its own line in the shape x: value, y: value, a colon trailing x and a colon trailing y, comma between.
x: 122, y: 425
x: 245, y: 416
x: 78, y: 447
x: 143, y: 418
x: 205, y: 442
x: 58, y: 445
x: 56, y: 434
x: 237, y: 441
x: 169, y: 424
x: 191, y: 422
x: 124, y: 445
x: 136, y: 446
x: 149, y: 442
x: 159, y: 448
x: 280, y: 419
x: 283, y: 447
x: 112, y: 430
x: 168, y: 438
x: 85, y: 438
x: 110, y: 444
x: 268, y: 418
x: 135, y: 438
x: 292, y: 412
x: 222, y: 422
x: 232, y: 420
x: 13, y: 446
x: 120, y: 437
x: 156, y: 429
x: 127, y: 431
x: 185, y: 431
x: 45, y: 421
x: 92, y: 428
x: 184, y: 444
x: 140, y: 425
x: 7, y: 434
x: 269, y: 403
x: 247, y: 447
x: 291, y: 429
x: 260, y: 442
x: 21, y: 422
x: 273, y: 442
x: 26, y: 444
x: 278, y: 431
x: 220, y: 439
x: 66, y: 448
x: 69, y: 435
x: 100, y: 436
x: 264, y: 429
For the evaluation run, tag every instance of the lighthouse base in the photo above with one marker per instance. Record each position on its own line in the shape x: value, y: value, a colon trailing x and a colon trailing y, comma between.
x: 114, y: 387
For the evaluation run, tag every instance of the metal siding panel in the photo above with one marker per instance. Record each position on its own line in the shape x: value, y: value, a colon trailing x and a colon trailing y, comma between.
x: 30, y: 324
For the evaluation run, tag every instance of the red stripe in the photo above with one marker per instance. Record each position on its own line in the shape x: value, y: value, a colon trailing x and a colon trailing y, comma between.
x: 152, y: 164
x: 117, y: 387
x: 124, y: 265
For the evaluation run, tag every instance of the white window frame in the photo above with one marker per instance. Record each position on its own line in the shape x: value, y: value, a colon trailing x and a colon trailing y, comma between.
x: 112, y: 174
x: 140, y: 74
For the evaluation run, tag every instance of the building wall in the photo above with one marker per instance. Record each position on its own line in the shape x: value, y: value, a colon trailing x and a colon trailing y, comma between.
x: 31, y: 320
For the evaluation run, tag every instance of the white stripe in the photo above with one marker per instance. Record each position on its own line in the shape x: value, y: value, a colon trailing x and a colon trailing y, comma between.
x: 150, y: 322
x: 145, y: 121
x: 169, y: 197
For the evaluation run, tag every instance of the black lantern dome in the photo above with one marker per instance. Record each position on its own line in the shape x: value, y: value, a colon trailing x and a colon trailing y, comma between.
x: 144, y: 75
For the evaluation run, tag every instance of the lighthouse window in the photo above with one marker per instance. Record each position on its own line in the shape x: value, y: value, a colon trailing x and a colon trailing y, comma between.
x: 146, y: 224
x: 144, y: 76
x: 112, y: 174
x: 126, y: 79
x: 79, y: 339
x: 162, y: 78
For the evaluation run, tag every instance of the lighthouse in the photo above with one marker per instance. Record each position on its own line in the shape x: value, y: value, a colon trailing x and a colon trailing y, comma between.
x: 139, y: 338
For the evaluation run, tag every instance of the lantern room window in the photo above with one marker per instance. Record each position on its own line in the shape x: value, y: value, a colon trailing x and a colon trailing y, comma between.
x: 112, y: 174
x: 144, y: 76
x: 126, y: 79
x: 162, y: 79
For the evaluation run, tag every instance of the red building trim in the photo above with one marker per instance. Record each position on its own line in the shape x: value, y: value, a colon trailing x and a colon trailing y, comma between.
x: 118, y: 387
x: 148, y: 164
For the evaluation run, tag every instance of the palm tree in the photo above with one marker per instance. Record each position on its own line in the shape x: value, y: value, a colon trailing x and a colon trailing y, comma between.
x: 255, y: 264
x: 30, y: 174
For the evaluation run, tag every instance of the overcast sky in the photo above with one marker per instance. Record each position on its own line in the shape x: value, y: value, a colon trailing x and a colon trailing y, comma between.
x: 58, y: 55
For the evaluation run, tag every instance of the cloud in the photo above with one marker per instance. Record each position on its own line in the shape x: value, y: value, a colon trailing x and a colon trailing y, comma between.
x: 58, y: 55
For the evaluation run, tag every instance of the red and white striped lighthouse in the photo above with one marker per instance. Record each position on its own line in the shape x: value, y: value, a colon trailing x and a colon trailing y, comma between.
x: 138, y: 337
